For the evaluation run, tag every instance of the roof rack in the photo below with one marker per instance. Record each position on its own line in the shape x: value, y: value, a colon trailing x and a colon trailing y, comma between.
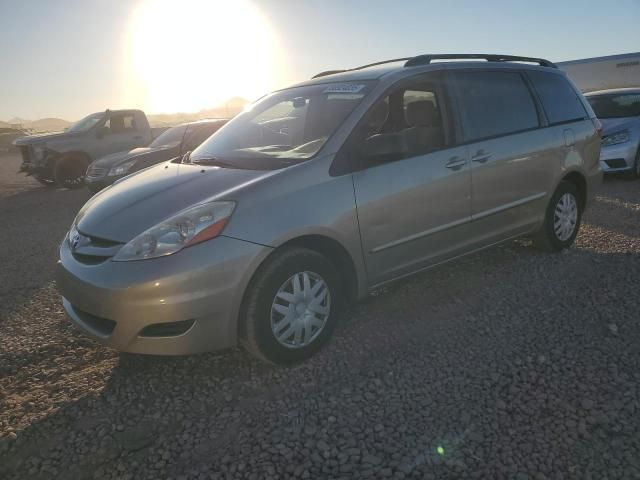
x: 426, y: 60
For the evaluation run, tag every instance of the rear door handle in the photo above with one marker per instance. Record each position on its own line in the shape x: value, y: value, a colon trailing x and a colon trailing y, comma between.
x: 456, y: 163
x: 481, y: 156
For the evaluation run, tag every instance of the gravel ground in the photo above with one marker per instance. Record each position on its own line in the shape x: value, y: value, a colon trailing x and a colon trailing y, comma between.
x: 509, y: 364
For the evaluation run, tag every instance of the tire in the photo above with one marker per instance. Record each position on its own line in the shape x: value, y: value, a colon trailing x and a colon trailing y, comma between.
x: 69, y: 171
x: 554, y: 237
x: 47, y: 182
x: 635, y: 173
x: 265, y: 309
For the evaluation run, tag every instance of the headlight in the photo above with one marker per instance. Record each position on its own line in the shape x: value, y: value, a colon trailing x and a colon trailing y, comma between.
x: 187, y: 228
x: 73, y: 233
x: 616, y: 138
x: 121, y: 169
x: 39, y: 151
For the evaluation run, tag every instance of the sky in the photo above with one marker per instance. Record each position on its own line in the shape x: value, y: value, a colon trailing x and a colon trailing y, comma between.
x: 68, y: 58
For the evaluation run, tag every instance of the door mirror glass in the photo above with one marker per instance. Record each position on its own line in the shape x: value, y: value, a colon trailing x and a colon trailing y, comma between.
x: 385, y: 147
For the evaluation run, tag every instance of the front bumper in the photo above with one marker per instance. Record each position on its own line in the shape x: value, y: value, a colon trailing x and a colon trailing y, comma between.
x: 618, y: 158
x: 201, y: 287
x: 95, y: 184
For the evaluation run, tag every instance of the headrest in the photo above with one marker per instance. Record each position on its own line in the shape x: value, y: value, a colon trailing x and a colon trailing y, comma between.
x: 422, y: 113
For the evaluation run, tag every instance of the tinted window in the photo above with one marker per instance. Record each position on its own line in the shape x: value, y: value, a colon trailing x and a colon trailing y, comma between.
x: 559, y: 99
x: 494, y: 103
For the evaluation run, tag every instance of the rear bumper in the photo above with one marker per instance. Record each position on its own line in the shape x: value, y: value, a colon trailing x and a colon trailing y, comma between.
x: 618, y: 158
x: 201, y: 287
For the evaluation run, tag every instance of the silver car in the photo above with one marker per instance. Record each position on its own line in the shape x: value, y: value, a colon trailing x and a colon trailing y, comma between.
x: 321, y: 192
x: 619, y: 112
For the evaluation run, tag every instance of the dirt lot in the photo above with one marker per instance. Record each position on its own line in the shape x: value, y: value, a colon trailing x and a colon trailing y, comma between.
x: 508, y: 364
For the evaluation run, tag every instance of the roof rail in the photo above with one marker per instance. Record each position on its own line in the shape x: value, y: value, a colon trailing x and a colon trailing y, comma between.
x: 331, y: 72
x: 327, y: 72
x: 426, y: 59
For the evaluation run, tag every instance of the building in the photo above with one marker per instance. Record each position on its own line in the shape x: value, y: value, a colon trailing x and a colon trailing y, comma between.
x: 601, y: 73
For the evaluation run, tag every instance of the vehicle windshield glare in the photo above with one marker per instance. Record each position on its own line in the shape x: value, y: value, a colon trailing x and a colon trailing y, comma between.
x: 615, y: 105
x: 169, y: 137
x: 87, y: 123
x: 283, y: 128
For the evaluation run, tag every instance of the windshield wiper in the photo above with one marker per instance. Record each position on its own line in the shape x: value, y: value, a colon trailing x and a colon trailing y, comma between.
x: 213, y: 161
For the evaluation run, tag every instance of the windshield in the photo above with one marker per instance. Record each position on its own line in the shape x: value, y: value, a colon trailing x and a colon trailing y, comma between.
x: 616, y: 105
x: 87, y: 123
x: 170, y: 137
x: 285, y: 127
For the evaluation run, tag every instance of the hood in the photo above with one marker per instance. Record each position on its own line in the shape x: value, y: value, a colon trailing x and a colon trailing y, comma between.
x: 41, y: 138
x: 613, y: 125
x: 158, y: 154
x: 142, y: 200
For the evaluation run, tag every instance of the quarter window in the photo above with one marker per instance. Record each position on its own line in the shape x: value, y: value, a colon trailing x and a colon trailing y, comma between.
x: 559, y: 100
x: 494, y: 104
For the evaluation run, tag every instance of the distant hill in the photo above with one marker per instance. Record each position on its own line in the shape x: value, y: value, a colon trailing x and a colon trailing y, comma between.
x: 229, y: 109
x: 47, y: 125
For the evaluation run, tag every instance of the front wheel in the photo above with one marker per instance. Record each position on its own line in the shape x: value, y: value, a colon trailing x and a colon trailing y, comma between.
x: 635, y: 173
x: 291, y: 306
x: 562, y: 219
x: 46, y: 181
x: 69, y: 171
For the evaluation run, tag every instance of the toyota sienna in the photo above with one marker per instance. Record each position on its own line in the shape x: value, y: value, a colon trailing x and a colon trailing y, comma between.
x: 318, y: 193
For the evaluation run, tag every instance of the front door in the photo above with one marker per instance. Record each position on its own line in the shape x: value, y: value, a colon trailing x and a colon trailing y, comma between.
x: 412, y: 208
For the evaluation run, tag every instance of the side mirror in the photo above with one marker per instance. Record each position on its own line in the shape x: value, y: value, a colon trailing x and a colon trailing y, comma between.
x: 385, y: 147
x: 101, y: 132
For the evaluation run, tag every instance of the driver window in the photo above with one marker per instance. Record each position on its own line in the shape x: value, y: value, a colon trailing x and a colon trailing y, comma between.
x: 406, y: 123
x: 120, y: 124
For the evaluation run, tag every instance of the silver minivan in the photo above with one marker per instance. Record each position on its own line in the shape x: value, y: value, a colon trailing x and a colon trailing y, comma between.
x: 318, y: 193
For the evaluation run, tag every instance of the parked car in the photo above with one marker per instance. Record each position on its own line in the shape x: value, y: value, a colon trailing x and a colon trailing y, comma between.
x: 62, y: 158
x: 619, y: 111
x: 7, y: 137
x: 263, y: 233
x: 171, y: 143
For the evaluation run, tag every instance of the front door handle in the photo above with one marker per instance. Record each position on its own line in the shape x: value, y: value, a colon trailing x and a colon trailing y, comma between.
x: 456, y: 163
x: 137, y: 137
x: 481, y: 156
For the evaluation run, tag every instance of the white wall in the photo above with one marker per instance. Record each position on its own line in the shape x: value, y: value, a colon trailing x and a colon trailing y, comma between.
x: 616, y: 71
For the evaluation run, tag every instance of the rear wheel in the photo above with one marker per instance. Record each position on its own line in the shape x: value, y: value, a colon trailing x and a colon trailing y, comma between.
x: 291, y: 306
x: 69, y: 171
x: 562, y: 219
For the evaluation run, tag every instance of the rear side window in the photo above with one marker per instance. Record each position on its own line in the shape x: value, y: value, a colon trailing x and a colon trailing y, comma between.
x: 494, y: 104
x: 559, y: 99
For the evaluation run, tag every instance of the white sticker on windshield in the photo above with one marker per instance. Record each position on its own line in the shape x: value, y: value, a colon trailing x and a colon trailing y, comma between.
x: 344, y: 88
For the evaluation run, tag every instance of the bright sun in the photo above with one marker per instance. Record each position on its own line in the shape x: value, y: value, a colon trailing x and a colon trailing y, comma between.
x: 193, y: 54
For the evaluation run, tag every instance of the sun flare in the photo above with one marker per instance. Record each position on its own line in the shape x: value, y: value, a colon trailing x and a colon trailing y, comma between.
x: 194, y: 54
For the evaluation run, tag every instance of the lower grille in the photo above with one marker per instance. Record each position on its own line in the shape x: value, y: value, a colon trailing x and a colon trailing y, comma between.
x: 101, y: 325
x: 616, y: 163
